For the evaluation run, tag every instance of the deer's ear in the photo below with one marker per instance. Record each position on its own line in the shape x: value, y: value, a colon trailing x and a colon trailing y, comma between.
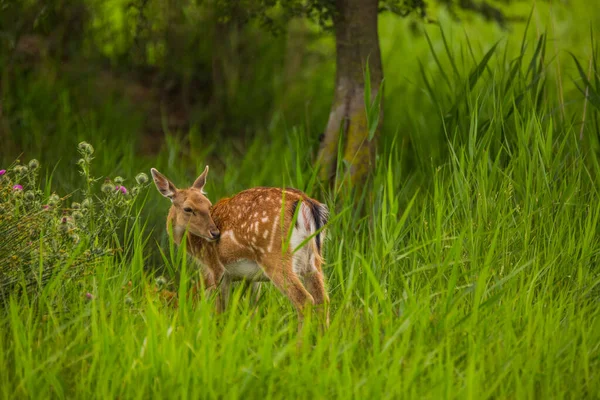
x: 201, y: 181
x: 164, y: 186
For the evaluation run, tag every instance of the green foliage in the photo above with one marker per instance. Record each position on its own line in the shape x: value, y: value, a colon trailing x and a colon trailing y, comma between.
x: 458, y: 290
x: 591, y: 89
x: 473, y: 273
x: 214, y: 42
x: 47, y: 239
x: 274, y: 15
x: 372, y: 107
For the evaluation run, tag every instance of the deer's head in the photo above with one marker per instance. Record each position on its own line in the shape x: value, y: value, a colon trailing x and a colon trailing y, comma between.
x: 190, y: 207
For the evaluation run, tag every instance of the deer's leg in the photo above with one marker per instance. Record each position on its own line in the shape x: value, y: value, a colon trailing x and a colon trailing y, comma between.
x: 213, y: 280
x: 316, y: 287
x: 314, y: 282
x: 206, y: 283
x: 289, y: 284
x: 222, y: 284
x: 224, y: 291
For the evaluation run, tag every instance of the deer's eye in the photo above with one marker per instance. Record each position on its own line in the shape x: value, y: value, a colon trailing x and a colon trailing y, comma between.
x: 188, y: 210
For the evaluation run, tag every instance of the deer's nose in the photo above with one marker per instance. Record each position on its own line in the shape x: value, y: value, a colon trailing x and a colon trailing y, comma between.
x: 215, y: 233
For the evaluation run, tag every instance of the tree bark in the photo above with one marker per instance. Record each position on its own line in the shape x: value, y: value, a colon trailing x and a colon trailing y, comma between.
x: 357, y: 41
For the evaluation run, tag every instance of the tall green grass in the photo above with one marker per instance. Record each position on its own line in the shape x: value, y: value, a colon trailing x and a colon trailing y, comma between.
x: 467, y: 270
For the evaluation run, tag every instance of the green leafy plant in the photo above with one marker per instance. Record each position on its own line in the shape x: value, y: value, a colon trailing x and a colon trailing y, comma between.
x: 45, y: 235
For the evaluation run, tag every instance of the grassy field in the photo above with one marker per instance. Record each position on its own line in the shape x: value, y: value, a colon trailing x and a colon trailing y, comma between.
x: 469, y: 269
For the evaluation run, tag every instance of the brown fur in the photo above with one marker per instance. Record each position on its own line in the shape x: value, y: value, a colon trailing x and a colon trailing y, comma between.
x: 252, y: 226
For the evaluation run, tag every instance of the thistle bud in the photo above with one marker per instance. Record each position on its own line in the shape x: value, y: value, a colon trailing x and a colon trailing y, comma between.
x: 108, y: 187
x: 161, y: 282
x: 86, y: 148
x: 74, y: 237
x: 34, y: 164
x: 141, y: 178
x: 54, y: 199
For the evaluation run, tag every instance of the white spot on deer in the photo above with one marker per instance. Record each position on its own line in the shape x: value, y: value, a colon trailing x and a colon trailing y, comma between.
x: 230, y: 235
x: 265, y: 219
x: 264, y: 213
x: 265, y: 234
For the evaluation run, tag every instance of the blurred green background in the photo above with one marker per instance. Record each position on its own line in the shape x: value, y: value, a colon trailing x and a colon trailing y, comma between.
x: 467, y: 267
x: 177, y: 86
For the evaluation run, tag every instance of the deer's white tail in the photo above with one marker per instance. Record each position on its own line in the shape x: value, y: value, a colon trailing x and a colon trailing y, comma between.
x: 312, y: 216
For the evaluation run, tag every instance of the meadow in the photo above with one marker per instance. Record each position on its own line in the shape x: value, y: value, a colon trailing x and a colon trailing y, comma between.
x: 468, y: 268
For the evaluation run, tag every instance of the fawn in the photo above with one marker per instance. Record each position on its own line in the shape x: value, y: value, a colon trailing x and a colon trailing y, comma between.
x: 242, y: 238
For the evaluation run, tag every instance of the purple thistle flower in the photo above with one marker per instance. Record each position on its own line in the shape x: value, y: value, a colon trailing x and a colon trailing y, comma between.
x: 89, y: 296
x: 17, y: 187
x: 121, y: 189
x: 45, y: 206
x: 2, y: 172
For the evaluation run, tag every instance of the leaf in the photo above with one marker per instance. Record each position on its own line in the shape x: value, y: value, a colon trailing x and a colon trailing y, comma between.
x: 373, y: 116
x: 539, y: 50
x: 428, y: 86
x: 437, y: 60
x: 478, y: 71
x: 367, y: 79
x: 595, y: 59
x: 449, y: 53
x: 592, y: 95
x: 372, y: 108
x: 513, y: 72
x: 473, y: 78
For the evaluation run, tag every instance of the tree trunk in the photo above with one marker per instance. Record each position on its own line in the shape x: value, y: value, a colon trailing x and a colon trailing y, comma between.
x: 357, y: 41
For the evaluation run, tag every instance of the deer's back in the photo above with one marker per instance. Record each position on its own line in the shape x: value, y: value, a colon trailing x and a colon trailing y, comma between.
x: 252, y: 221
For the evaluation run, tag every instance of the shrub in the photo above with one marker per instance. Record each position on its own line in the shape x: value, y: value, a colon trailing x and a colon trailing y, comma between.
x: 43, y: 235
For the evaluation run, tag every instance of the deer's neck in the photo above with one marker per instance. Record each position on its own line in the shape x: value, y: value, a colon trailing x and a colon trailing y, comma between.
x: 196, y: 246
x: 199, y: 247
